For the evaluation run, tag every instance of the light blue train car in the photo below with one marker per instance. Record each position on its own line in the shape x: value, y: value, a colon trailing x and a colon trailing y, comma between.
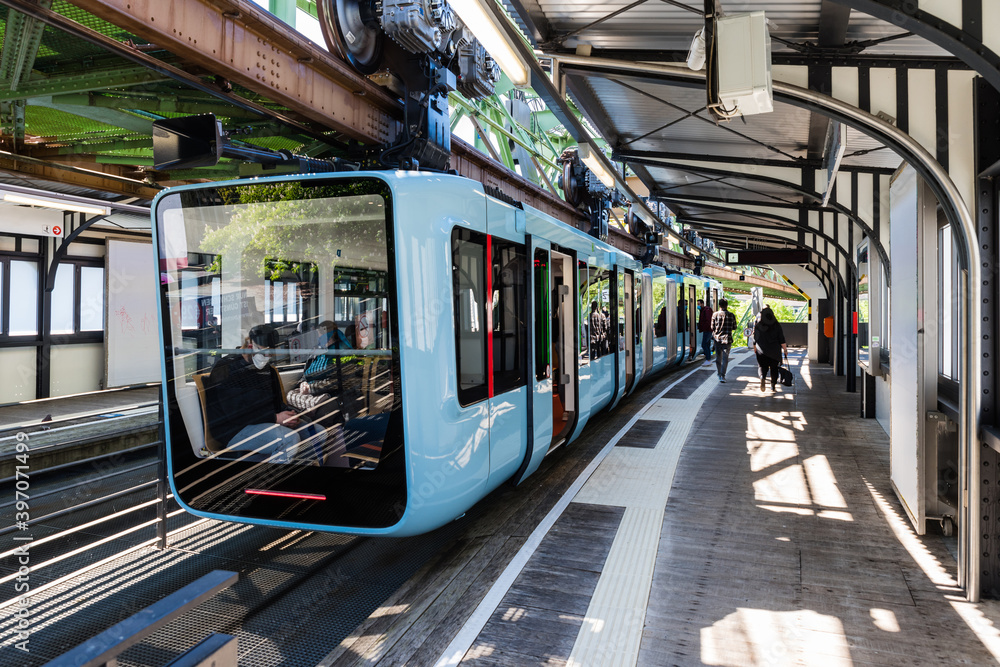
x: 374, y: 352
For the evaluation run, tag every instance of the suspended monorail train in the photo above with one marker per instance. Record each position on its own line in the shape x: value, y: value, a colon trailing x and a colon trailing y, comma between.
x: 436, y: 342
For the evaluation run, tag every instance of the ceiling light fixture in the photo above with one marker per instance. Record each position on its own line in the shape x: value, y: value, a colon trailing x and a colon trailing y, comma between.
x: 486, y: 27
x: 31, y: 200
x: 596, y: 165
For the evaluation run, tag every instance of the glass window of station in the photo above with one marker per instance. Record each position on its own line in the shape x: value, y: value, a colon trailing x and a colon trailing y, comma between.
x: 280, y: 325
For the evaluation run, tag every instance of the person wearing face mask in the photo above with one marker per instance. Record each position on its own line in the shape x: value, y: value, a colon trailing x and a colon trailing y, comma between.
x: 245, y: 405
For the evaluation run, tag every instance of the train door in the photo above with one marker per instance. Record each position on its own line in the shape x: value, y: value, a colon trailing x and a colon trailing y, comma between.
x: 628, y: 332
x: 647, y: 323
x: 563, y: 345
x: 507, y: 280
x: 692, y: 319
x: 541, y: 361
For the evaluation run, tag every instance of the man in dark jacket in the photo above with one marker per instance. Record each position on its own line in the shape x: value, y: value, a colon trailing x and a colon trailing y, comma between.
x: 705, y: 327
x: 723, y: 325
x: 769, y: 343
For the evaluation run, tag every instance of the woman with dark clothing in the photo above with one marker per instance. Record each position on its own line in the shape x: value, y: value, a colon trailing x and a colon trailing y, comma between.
x: 769, y: 343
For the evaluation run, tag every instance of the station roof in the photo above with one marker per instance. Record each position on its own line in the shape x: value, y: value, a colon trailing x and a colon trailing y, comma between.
x: 719, y: 176
x: 77, y: 107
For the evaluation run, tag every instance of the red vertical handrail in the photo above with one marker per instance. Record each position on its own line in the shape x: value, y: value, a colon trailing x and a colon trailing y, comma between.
x: 489, y: 313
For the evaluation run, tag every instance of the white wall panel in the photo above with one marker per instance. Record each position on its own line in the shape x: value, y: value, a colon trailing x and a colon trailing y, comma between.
x: 17, y: 374
x: 883, y: 91
x: 991, y: 25
x: 866, y: 190
x: 923, y: 116
x: 906, y: 445
x: 844, y: 189
x: 948, y: 10
x: 844, y: 84
x: 796, y: 75
x: 76, y: 368
x: 961, y: 135
x: 885, y: 206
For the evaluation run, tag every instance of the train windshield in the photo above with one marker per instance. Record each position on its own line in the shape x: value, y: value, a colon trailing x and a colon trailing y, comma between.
x: 279, y: 321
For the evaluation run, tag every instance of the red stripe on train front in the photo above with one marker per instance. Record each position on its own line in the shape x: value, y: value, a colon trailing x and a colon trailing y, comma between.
x: 285, y: 494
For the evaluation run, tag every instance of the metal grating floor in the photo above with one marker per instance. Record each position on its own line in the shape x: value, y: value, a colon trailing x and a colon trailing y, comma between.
x: 645, y: 433
x: 298, y: 596
x: 685, y: 387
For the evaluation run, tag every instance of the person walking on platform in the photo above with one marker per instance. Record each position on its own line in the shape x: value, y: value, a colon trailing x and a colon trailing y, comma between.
x: 769, y: 343
x: 723, y: 325
x: 705, y: 327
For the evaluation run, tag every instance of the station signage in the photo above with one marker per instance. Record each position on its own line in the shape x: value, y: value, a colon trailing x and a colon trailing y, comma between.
x: 758, y: 257
x: 31, y: 221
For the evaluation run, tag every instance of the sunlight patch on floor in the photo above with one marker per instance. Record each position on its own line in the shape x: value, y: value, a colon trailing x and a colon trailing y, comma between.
x: 822, y: 482
x: 765, y: 637
x: 972, y: 614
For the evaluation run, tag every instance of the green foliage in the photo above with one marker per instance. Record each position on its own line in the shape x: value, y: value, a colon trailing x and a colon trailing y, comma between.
x: 274, y: 222
x: 741, y: 309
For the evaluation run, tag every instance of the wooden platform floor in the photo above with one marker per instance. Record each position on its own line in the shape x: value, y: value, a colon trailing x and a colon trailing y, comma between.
x: 760, y: 530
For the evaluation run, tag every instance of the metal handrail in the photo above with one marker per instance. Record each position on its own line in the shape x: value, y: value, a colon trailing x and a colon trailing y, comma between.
x: 107, y: 646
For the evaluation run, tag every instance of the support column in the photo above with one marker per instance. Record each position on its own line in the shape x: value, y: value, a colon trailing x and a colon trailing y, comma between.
x: 987, y: 142
x: 851, y: 356
x: 840, y: 343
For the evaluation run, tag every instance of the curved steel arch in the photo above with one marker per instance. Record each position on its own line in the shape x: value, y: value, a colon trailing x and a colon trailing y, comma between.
x: 957, y: 213
x: 825, y: 266
x: 757, y: 214
x: 849, y: 262
x: 833, y: 207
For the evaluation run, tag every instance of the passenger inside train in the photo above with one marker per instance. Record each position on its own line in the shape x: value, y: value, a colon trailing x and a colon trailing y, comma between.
x: 246, y: 410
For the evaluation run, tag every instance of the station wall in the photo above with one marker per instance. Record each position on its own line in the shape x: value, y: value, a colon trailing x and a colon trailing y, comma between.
x: 69, y: 355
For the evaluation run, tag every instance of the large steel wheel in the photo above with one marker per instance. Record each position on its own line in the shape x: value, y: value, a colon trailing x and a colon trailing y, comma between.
x: 351, y: 30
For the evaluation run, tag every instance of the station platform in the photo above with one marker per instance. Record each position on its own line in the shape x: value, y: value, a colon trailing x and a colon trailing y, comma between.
x: 47, y: 413
x: 66, y: 429
x: 717, y: 525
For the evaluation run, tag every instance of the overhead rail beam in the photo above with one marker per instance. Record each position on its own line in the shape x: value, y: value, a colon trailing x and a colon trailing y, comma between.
x: 247, y: 45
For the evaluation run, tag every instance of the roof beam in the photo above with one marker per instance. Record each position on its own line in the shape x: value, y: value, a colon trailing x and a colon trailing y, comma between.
x: 787, y: 58
x: 626, y: 155
x: 833, y: 21
x: 107, y: 178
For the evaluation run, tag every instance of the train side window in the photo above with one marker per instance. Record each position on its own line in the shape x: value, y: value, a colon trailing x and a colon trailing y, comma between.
x: 542, y: 315
x: 621, y: 311
x: 599, y: 320
x: 659, y: 306
x: 510, y: 315
x: 584, y: 290
x: 468, y: 251
x: 638, y: 310
x: 681, y: 310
